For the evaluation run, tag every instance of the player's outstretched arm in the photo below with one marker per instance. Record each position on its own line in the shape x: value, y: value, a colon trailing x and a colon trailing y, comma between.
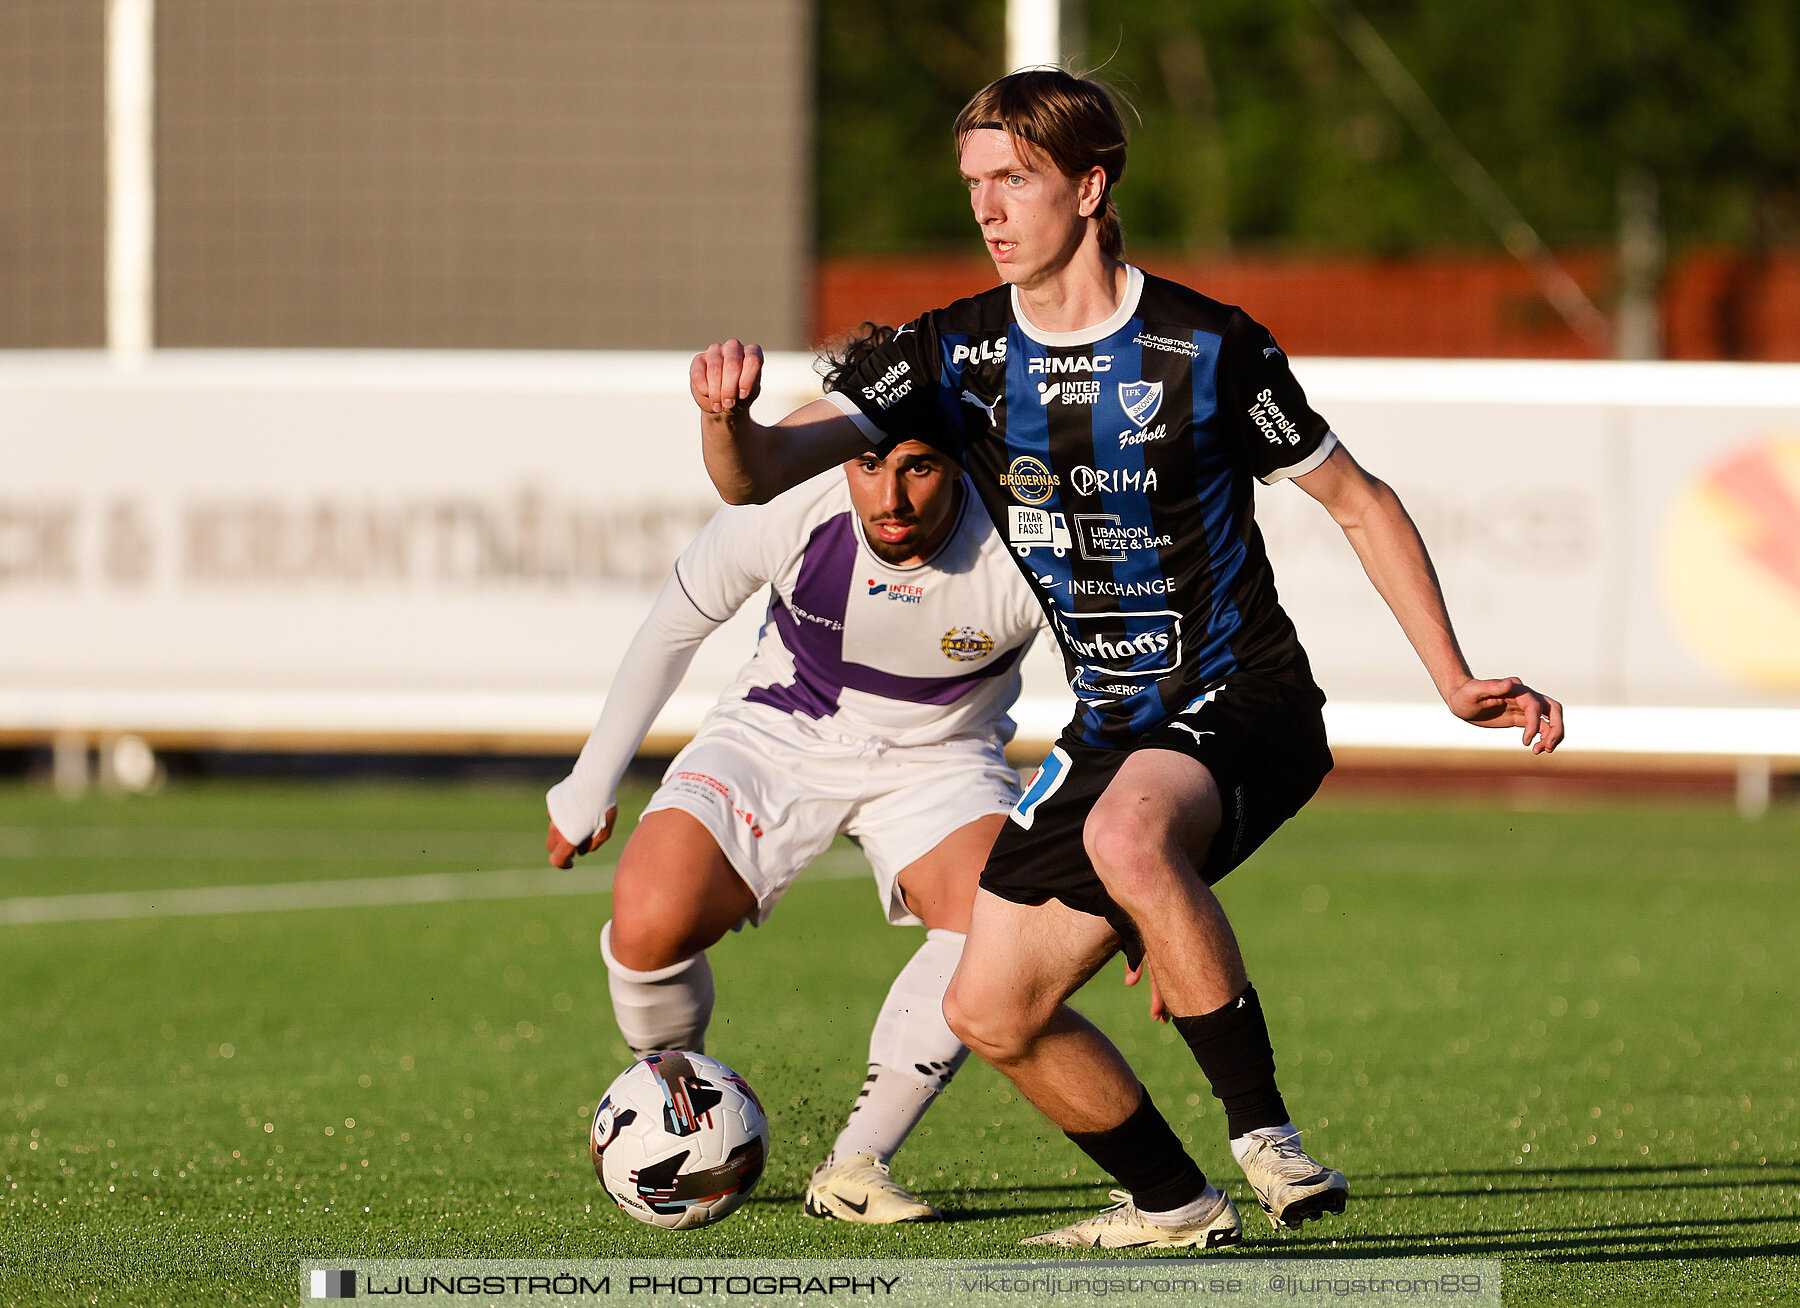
x: 1394, y: 556
x: 583, y: 805
x: 748, y: 462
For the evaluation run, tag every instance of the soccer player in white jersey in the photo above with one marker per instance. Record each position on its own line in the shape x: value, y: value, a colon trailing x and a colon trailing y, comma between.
x: 1113, y: 423
x: 875, y: 706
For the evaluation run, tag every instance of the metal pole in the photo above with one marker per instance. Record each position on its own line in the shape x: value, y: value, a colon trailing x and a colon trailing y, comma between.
x: 1755, y: 787
x: 1637, y: 318
x: 130, y: 178
x: 1033, y: 33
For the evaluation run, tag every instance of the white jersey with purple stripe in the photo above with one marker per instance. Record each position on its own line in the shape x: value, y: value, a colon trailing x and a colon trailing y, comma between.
x: 907, y: 655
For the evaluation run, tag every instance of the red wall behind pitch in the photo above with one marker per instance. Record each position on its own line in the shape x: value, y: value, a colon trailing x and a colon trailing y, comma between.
x: 1716, y: 304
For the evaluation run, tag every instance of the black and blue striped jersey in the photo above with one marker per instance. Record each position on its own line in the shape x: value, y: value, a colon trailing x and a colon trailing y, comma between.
x: 1117, y: 464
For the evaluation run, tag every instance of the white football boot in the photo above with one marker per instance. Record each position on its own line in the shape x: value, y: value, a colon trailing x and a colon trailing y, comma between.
x: 1292, y: 1188
x: 859, y: 1189
x: 1125, y: 1227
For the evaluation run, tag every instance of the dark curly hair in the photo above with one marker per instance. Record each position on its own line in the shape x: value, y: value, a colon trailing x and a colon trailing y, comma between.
x: 842, y: 353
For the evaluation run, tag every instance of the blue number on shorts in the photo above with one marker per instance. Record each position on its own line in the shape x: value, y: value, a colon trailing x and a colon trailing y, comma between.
x: 1051, y: 773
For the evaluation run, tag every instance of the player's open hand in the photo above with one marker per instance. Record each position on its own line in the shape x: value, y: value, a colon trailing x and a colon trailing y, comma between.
x: 1509, y: 702
x: 726, y: 377
x: 1159, y: 1011
x: 562, y: 851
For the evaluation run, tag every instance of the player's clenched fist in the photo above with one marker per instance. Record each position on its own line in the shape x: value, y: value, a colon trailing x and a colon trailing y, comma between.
x: 726, y: 376
x: 562, y: 850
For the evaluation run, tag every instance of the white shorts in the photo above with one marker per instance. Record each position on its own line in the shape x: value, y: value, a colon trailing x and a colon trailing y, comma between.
x: 774, y: 791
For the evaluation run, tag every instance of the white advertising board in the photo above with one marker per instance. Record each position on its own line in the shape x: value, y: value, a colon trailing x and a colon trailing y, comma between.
x: 458, y: 546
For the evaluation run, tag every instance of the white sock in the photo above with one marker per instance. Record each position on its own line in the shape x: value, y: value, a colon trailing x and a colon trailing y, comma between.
x: 1241, y: 1145
x: 890, y: 1105
x: 912, y: 1053
x: 1191, y: 1211
x: 663, y: 1009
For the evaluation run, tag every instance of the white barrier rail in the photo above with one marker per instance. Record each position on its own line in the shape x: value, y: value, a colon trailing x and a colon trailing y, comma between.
x: 553, y: 722
x: 298, y: 546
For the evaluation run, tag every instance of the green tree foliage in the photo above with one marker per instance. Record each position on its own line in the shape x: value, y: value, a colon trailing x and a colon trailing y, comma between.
x: 1257, y: 127
x: 891, y: 79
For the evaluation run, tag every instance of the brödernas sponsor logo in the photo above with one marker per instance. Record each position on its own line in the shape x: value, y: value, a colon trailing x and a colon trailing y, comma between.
x: 1030, y: 480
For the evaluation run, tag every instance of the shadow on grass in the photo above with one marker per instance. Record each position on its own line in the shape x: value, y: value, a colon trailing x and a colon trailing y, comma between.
x: 1615, y: 1241
x: 1006, y: 1197
x: 1786, y: 1172
x: 1585, y: 1180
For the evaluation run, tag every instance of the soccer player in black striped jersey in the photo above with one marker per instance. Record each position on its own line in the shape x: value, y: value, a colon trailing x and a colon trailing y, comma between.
x: 1112, y: 422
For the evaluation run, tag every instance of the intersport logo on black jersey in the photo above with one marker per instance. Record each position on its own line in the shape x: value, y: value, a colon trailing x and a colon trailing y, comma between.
x: 1073, y: 391
x: 1144, y: 643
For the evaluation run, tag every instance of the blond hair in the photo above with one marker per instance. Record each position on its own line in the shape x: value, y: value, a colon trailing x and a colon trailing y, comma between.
x: 1072, y: 121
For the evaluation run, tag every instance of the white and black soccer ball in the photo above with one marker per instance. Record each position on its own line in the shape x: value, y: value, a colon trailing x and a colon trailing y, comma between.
x: 679, y: 1140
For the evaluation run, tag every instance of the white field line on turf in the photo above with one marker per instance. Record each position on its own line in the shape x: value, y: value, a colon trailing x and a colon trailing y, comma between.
x: 243, y: 844
x: 371, y: 892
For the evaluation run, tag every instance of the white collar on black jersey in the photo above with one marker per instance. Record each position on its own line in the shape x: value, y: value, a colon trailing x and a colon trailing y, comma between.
x: 1134, y: 288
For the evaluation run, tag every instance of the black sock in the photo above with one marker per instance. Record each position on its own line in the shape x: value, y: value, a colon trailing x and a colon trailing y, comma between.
x: 1232, y: 1047
x: 1146, y: 1158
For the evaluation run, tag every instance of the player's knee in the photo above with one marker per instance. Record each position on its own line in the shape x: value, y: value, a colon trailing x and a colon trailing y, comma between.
x: 962, y: 1018
x: 1128, y: 855
x: 1135, y: 855
x: 993, y: 1033
x: 645, y: 942
x: 942, y: 898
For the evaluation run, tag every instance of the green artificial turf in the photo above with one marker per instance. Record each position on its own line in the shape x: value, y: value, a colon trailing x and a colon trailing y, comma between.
x: 1567, y: 1039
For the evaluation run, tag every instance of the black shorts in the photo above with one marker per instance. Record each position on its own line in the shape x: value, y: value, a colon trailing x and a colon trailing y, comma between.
x: 1263, y: 742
